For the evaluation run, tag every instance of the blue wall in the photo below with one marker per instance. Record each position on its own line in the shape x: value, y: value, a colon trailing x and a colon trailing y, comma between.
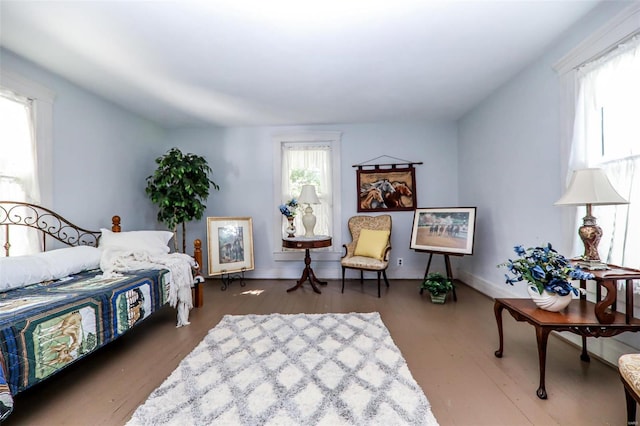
x: 101, y: 153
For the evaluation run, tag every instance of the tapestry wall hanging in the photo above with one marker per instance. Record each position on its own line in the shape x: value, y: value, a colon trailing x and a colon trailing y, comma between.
x: 386, y: 187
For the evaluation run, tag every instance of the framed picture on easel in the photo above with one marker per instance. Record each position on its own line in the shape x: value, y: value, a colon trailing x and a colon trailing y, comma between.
x: 447, y: 230
x: 230, y: 244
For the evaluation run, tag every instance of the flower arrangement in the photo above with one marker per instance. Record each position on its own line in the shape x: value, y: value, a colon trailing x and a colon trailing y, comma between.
x: 545, y: 268
x: 288, y: 209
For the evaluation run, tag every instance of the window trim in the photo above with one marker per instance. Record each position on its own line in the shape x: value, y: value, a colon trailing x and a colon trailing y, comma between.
x: 620, y: 28
x: 43, y: 111
x: 334, y: 139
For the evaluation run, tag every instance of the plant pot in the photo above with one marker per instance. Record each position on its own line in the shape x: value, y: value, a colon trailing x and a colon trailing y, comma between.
x: 440, y: 298
x: 552, y: 302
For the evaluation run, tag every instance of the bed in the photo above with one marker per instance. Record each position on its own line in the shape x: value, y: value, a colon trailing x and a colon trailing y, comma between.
x: 58, y: 306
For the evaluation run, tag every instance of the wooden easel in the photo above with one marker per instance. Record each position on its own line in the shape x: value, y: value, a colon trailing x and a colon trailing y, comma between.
x: 447, y: 264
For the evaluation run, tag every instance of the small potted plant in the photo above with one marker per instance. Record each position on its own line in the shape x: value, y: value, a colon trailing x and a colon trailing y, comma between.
x: 438, y: 286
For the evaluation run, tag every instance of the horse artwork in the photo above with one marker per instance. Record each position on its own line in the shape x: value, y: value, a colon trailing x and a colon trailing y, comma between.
x: 444, y: 230
x: 386, y: 189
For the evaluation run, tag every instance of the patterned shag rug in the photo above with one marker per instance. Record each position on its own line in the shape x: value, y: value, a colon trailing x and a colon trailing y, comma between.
x: 320, y: 369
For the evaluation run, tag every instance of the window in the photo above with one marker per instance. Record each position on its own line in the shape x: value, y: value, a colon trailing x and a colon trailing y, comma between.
x: 25, y: 143
x: 18, y: 172
x: 308, y: 158
x: 308, y: 164
x: 607, y: 135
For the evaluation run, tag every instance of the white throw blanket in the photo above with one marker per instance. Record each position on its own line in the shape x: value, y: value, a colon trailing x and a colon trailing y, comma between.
x: 180, y: 277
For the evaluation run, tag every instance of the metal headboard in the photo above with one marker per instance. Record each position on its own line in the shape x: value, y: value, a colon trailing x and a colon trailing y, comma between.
x: 48, y: 222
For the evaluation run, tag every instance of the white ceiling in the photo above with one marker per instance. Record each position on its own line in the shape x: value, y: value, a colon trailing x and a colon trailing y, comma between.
x: 241, y: 62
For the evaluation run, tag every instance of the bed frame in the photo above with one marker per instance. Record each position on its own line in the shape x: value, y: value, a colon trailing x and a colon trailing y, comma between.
x: 53, y: 226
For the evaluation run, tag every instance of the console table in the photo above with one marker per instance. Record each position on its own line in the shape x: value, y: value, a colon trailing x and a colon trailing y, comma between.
x: 581, y: 317
x: 307, y: 243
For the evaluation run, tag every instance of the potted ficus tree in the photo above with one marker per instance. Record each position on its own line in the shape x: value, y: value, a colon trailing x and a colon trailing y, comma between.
x: 179, y: 187
x: 438, y: 286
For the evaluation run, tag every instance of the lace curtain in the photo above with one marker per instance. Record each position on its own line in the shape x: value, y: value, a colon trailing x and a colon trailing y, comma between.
x: 18, y: 165
x: 308, y: 164
x: 606, y: 134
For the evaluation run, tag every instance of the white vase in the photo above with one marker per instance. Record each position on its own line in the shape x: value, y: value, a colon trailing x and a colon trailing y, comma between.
x: 549, y: 301
x: 291, y: 229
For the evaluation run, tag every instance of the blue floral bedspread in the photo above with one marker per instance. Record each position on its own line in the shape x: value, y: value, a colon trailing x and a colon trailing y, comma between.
x: 45, y: 327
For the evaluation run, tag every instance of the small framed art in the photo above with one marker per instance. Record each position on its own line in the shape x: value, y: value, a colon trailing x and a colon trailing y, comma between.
x: 444, y: 230
x: 230, y: 244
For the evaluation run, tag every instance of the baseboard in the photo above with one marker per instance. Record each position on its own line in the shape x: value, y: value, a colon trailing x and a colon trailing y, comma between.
x: 485, y: 287
x: 329, y: 270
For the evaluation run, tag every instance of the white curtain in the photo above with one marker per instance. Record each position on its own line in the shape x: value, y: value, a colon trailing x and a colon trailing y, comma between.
x: 18, y: 165
x: 606, y: 134
x: 308, y: 163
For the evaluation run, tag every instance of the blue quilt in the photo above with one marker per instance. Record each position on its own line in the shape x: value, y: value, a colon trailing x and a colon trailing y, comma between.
x: 45, y: 327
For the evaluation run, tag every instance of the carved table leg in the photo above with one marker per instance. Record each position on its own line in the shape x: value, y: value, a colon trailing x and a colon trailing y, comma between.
x: 604, y: 311
x: 313, y: 278
x: 497, y: 309
x: 584, y: 356
x: 542, y: 335
x: 307, y: 274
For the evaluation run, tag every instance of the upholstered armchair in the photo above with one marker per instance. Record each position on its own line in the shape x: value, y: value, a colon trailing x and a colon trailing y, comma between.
x: 629, y: 368
x: 369, y: 247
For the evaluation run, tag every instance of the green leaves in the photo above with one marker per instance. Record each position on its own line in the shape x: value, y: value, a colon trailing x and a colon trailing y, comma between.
x: 179, y: 186
x: 436, y: 283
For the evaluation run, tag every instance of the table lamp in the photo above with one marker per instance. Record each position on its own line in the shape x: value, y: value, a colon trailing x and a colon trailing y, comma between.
x: 308, y: 196
x: 590, y: 187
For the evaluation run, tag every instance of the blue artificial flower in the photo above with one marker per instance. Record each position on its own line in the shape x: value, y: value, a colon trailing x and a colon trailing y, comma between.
x: 288, y: 209
x: 537, y: 272
x: 511, y: 280
x: 557, y: 285
x: 545, y: 268
x: 579, y: 274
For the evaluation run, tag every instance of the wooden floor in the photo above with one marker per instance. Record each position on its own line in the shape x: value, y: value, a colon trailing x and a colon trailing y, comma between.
x: 449, y: 349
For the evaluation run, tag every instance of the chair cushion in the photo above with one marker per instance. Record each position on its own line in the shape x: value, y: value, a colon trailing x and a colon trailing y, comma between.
x: 361, y: 262
x: 372, y: 243
x: 629, y: 366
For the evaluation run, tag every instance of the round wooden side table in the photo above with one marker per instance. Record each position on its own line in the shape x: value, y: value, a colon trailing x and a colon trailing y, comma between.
x: 306, y: 243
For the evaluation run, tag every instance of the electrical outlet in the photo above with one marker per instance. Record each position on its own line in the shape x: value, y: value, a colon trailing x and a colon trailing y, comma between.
x: 399, y: 261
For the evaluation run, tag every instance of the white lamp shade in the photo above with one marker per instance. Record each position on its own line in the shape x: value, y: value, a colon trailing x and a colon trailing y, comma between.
x: 590, y: 186
x: 308, y: 195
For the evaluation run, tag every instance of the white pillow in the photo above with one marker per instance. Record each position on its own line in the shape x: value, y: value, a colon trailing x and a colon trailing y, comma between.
x: 21, y: 271
x: 67, y: 261
x: 152, y: 242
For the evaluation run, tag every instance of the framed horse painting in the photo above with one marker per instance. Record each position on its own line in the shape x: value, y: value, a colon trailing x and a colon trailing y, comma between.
x: 448, y: 230
x: 386, y: 189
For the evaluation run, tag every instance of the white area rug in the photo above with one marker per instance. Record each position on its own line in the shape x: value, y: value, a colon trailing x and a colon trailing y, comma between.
x: 322, y: 369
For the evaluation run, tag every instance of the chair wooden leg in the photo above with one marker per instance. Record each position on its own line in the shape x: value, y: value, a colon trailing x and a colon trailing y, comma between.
x: 384, y: 274
x: 361, y: 276
x: 343, y: 269
x: 631, y: 406
x: 378, y: 283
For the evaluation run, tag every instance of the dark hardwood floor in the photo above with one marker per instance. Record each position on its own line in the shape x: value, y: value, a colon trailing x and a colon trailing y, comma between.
x: 449, y: 349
